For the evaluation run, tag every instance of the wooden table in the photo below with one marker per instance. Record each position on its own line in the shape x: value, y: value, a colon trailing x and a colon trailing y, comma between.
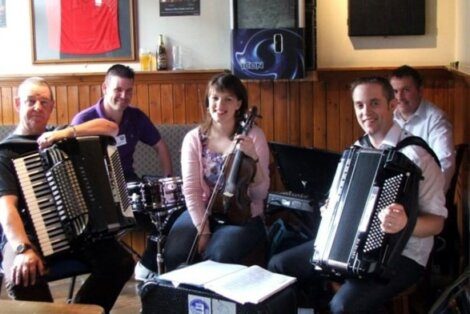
x: 29, y: 307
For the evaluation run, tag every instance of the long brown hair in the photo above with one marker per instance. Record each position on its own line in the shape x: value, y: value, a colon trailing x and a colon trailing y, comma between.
x: 226, y: 82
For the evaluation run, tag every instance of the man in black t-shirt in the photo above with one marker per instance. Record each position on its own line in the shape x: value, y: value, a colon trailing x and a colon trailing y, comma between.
x: 111, y: 266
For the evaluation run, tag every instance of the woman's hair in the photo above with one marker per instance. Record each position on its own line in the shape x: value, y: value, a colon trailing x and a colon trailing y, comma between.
x: 226, y: 82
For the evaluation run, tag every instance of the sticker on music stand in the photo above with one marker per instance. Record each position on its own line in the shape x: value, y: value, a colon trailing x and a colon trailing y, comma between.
x: 221, y: 306
x: 198, y: 304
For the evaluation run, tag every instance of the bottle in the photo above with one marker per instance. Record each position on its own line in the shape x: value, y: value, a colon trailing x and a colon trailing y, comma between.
x: 162, y: 60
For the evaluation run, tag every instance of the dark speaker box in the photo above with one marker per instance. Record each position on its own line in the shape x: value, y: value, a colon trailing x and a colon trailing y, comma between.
x: 162, y: 297
x: 386, y: 17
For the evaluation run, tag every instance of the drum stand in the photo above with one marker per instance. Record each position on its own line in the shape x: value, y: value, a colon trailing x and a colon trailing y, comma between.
x: 160, y: 218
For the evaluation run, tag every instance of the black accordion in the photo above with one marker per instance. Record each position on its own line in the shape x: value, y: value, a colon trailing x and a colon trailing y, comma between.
x: 349, y: 241
x: 74, y: 192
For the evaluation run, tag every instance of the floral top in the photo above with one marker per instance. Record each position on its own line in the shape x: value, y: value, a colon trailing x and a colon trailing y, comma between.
x: 212, y: 162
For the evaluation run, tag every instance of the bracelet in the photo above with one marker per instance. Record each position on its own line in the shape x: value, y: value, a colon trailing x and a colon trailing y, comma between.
x: 74, y: 131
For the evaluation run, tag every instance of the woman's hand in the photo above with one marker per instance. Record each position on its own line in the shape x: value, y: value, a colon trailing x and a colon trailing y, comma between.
x: 246, y: 145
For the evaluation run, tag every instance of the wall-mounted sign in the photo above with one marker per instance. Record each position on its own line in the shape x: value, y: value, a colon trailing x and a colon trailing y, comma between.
x: 180, y: 7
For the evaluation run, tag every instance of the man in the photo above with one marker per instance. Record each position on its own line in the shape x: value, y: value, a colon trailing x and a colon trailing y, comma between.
x: 422, y: 118
x: 134, y: 126
x: 111, y: 266
x: 373, y: 100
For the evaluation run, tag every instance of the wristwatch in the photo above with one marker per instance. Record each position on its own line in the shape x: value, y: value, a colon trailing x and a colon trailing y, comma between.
x: 22, y: 247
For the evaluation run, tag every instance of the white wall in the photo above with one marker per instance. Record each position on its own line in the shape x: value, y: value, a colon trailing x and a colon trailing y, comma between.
x: 462, y: 47
x: 206, y: 38
x: 337, y: 49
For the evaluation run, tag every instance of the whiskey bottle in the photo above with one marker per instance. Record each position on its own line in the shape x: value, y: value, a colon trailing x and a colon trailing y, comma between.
x: 162, y: 60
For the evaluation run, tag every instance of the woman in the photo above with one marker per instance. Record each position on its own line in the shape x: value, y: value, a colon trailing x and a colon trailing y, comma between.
x: 202, y: 155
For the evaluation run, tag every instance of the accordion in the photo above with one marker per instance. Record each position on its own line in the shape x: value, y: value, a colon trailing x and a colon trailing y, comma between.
x: 74, y: 192
x: 349, y: 240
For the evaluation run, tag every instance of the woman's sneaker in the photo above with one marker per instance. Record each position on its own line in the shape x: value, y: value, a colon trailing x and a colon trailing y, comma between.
x: 142, y: 273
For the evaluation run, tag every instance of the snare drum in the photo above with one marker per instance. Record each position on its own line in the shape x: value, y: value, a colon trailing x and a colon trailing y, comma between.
x: 144, y: 195
x: 171, y: 194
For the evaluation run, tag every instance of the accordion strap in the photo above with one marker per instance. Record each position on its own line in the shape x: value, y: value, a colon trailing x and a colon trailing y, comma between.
x: 407, y: 141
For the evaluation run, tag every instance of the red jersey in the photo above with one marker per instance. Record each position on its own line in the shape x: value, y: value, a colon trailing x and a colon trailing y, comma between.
x: 83, y: 26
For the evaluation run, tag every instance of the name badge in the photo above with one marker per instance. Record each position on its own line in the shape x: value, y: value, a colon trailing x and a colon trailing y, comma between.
x: 120, y: 140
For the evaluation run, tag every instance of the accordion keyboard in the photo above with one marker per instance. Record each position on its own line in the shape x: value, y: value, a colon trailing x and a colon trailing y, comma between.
x: 40, y: 202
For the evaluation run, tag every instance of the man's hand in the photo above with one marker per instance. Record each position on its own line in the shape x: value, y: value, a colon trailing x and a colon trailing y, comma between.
x: 393, y: 218
x: 26, y: 267
x: 46, y: 139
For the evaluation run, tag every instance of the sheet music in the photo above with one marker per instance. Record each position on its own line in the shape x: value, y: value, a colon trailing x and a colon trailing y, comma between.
x: 236, y: 282
x: 200, y: 274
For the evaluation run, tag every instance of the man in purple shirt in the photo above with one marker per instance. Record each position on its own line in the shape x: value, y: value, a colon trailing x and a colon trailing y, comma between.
x: 134, y: 126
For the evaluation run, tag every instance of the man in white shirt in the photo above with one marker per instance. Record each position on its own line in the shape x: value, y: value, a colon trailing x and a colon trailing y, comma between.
x: 374, y: 103
x: 422, y: 118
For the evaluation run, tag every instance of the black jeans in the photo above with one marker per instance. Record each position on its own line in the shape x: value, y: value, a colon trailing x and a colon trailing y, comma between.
x: 228, y: 243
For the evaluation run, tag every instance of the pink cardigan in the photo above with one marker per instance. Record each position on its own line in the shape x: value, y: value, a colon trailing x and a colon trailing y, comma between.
x: 197, y: 192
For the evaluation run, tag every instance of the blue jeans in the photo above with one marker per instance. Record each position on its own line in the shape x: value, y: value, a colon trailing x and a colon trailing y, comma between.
x: 228, y: 243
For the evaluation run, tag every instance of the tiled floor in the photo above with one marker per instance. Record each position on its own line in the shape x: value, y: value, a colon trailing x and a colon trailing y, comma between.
x: 127, y: 303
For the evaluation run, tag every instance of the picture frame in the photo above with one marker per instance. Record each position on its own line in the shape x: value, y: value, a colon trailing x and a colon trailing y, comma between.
x: 70, y: 32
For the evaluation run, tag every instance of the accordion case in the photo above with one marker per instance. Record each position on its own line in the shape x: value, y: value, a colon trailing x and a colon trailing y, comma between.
x: 163, y: 297
x: 350, y: 241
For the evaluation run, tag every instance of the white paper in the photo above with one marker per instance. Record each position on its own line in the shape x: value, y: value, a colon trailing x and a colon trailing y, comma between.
x: 201, y: 273
x: 253, y: 284
x: 236, y: 282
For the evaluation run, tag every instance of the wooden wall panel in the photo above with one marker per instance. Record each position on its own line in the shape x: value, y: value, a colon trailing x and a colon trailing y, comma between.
x: 319, y: 115
x: 62, y: 109
x: 294, y: 114
x: 84, y: 100
x: 333, y: 93
x: 140, y: 97
x: 167, y: 104
x: 95, y: 93
x: 265, y: 108
x: 309, y: 112
x: 193, y: 108
x: 155, y: 104
x: 179, y: 104
x: 72, y: 102
x: 281, y: 113
x: 7, y: 105
x: 306, y: 113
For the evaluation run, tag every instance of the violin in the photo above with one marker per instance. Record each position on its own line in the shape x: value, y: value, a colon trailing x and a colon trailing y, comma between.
x: 232, y: 203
